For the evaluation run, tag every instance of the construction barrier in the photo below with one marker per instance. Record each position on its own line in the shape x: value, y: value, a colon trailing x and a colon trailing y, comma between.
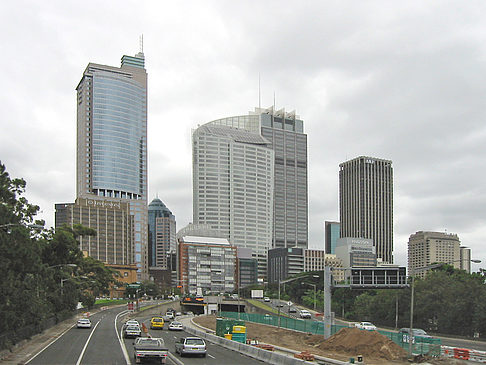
x: 462, y: 354
x: 477, y: 356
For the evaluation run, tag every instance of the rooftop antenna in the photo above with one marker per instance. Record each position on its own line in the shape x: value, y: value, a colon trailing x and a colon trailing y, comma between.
x: 141, y: 43
x: 259, y: 93
x: 274, y: 100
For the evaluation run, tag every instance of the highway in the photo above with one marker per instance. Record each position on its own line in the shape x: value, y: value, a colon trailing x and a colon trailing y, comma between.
x: 103, y: 344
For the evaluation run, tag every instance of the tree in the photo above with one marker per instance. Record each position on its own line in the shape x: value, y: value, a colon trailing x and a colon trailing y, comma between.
x: 21, y: 302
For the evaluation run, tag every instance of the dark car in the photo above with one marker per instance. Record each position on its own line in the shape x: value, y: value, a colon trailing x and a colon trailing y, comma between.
x: 417, y: 332
x: 191, y: 345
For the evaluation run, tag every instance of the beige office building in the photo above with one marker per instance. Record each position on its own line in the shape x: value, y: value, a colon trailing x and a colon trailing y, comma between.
x: 426, y: 248
x: 112, y: 222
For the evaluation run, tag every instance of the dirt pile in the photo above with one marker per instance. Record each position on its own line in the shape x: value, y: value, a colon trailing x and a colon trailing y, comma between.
x: 366, y: 343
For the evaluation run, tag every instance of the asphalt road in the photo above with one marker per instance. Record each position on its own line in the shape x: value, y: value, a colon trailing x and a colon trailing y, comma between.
x: 215, y: 354
x: 103, y: 344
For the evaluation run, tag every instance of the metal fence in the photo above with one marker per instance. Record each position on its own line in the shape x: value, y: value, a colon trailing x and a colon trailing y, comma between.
x: 420, y: 345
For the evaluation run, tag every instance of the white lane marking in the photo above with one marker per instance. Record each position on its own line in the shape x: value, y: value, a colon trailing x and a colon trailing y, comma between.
x: 87, y: 342
x: 211, y: 356
x: 49, y: 344
x: 119, y: 335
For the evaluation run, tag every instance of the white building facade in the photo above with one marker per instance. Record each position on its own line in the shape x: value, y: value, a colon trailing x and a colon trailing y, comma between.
x: 233, y: 179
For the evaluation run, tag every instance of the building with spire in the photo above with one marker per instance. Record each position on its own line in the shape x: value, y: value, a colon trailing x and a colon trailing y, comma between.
x: 111, y: 162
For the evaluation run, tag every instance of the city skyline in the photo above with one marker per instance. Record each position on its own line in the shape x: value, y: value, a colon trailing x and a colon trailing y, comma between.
x: 399, y: 82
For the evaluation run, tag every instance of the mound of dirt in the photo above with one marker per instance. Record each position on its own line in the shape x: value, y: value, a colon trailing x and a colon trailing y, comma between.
x: 366, y: 343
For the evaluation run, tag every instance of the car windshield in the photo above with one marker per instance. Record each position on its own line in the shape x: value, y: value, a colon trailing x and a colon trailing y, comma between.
x: 176, y: 324
x: 156, y: 319
x: 194, y: 341
x: 133, y: 328
x: 419, y: 332
x: 147, y: 341
x: 367, y: 324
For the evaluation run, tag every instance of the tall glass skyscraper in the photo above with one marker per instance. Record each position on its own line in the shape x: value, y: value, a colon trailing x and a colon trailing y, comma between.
x: 112, y: 142
x: 366, y: 202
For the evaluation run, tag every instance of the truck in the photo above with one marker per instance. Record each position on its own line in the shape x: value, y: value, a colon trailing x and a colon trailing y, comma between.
x: 147, y: 348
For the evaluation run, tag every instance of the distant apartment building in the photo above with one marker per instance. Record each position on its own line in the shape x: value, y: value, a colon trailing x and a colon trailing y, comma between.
x: 113, y: 223
x: 427, y: 248
x: 233, y: 180
x: 331, y: 235
x: 207, y: 263
x: 111, y: 162
x: 366, y: 203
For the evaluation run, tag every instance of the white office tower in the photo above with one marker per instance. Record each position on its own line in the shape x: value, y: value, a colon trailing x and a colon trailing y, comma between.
x: 285, y: 132
x: 233, y: 185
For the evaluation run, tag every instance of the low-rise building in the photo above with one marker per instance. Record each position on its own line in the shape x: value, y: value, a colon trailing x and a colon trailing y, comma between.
x: 208, y: 264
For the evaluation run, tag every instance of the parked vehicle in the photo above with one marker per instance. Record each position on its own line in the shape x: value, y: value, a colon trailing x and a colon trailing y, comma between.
x: 365, y: 326
x: 191, y: 345
x: 132, y: 331
x: 305, y: 314
x: 83, y: 323
x: 146, y: 348
x: 157, y: 323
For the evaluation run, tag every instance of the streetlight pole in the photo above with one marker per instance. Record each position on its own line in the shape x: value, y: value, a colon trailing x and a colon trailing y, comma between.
x: 62, y: 286
x: 314, y: 286
x: 327, y: 301
x: 412, y: 274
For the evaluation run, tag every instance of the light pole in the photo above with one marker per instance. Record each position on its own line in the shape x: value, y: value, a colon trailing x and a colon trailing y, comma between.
x: 314, y: 286
x: 412, y: 275
x: 62, y: 286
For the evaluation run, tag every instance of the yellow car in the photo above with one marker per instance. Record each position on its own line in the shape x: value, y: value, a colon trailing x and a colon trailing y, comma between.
x: 157, y: 323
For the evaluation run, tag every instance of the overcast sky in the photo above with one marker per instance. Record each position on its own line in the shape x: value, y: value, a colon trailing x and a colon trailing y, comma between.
x: 403, y: 81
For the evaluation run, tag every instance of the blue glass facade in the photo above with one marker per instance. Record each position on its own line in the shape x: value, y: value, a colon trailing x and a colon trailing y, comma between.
x: 332, y: 234
x: 112, y: 144
x: 118, y: 133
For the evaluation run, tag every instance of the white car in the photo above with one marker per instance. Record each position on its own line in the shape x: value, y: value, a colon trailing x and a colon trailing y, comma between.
x: 266, y: 299
x: 304, y: 313
x: 175, y: 326
x: 83, y: 323
x: 365, y: 326
x: 132, y: 322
